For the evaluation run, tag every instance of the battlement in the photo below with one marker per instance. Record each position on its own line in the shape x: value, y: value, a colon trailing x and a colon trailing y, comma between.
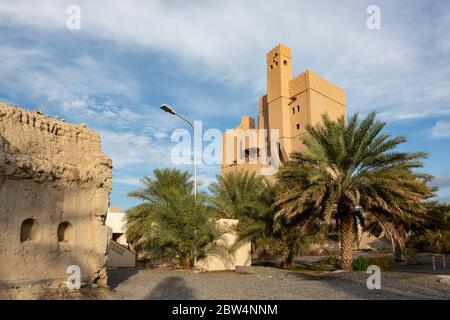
x: 313, y: 96
x: 44, y: 123
x: 262, y: 104
x: 311, y: 80
x: 278, y: 50
x: 48, y: 149
x: 247, y: 123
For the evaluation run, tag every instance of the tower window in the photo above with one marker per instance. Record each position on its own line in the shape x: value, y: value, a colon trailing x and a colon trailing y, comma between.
x: 251, y: 153
x: 271, y: 67
x: 280, y: 153
x: 298, y: 126
x: 285, y: 62
x: 293, y: 110
x: 298, y: 108
x: 64, y: 232
x: 28, y: 230
x: 276, y: 63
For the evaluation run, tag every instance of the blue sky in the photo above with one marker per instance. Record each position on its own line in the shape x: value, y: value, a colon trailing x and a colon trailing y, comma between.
x: 207, y: 59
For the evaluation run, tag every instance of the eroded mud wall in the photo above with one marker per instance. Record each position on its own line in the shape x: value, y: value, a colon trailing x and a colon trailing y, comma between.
x: 54, y: 189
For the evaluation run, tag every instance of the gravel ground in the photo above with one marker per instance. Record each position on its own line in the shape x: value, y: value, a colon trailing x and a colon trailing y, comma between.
x: 56, y: 292
x: 270, y: 283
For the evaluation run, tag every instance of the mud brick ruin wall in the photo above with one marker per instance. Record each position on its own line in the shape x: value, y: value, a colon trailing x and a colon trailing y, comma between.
x: 54, y: 191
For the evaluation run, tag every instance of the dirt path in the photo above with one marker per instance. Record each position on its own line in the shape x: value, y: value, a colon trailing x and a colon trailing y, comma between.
x: 268, y: 283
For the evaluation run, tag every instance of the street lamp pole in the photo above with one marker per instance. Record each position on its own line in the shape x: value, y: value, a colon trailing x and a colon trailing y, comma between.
x: 170, y: 110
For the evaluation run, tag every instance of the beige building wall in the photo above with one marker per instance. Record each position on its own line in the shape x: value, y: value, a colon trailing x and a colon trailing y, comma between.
x: 120, y: 257
x: 240, y: 257
x: 119, y: 253
x: 114, y: 220
x: 289, y: 106
x: 54, y: 192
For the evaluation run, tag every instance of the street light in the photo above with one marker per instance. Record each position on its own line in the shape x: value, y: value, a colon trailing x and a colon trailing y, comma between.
x: 169, y: 109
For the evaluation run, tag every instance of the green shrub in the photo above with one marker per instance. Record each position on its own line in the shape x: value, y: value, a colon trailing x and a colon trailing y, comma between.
x: 317, y: 267
x: 360, y: 264
x: 385, y: 263
x: 411, y: 252
x: 328, y: 263
x: 333, y: 261
x: 434, y: 236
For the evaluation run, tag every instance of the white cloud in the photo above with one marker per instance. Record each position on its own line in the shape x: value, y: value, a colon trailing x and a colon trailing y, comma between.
x: 441, y: 130
x: 205, y: 181
x: 441, y: 181
x: 127, y: 180
x: 160, y: 135
x: 130, y: 148
x: 401, y: 70
x: 67, y: 87
x: 445, y: 199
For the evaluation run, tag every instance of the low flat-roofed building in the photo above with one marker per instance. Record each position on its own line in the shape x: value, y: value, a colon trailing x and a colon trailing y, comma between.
x: 119, y: 251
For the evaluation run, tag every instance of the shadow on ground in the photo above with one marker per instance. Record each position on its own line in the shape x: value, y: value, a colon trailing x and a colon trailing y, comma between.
x: 120, y: 275
x: 171, y: 288
x: 394, y: 285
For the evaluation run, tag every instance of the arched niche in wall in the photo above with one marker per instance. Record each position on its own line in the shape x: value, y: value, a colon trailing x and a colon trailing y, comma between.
x: 29, y: 230
x: 65, y: 232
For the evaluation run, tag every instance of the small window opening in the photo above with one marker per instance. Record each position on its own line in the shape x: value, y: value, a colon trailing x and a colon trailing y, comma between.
x: 28, y: 230
x: 65, y: 232
x: 285, y: 62
x: 280, y: 153
x: 298, y: 108
x: 298, y: 126
x: 293, y: 110
x: 251, y: 153
x: 271, y: 67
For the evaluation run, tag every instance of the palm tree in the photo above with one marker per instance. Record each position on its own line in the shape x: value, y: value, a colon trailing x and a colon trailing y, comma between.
x: 242, y: 194
x: 250, y: 198
x: 351, y: 169
x: 171, y: 224
x: 435, y: 232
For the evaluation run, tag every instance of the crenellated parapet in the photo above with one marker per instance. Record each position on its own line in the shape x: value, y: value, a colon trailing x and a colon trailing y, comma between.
x: 36, y: 121
x: 284, y: 112
x: 311, y: 80
x: 42, y: 148
x: 278, y: 50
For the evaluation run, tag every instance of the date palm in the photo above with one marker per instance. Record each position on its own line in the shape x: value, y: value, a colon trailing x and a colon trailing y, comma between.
x: 172, y: 225
x: 352, y: 169
x: 249, y: 198
x: 435, y: 232
x: 242, y: 194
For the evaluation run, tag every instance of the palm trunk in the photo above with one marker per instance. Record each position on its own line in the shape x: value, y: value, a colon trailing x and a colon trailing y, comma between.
x: 289, y: 262
x: 346, y: 241
x: 399, y: 252
x: 359, y: 235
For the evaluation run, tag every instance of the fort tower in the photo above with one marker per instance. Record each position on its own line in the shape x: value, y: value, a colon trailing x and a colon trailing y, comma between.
x: 289, y: 106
